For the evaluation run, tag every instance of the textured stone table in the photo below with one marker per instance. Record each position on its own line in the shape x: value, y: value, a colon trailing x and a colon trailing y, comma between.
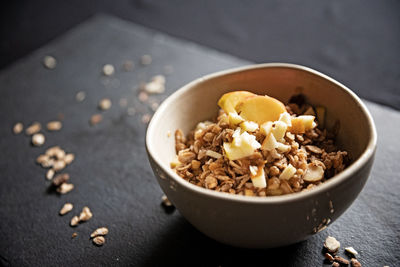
x: 111, y: 173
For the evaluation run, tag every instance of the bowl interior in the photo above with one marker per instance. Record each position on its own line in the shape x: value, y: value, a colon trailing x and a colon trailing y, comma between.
x: 197, y: 102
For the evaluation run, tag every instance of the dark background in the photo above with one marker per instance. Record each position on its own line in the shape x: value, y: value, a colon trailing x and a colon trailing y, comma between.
x: 357, y: 42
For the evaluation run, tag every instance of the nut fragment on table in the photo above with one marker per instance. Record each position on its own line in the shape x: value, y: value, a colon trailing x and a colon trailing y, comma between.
x: 329, y: 257
x: 60, y: 179
x: 355, y: 263
x: 54, y: 125
x: 105, y: 104
x: 18, y: 128
x: 49, y: 62
x: 65, y: 188
x: 341, y: 260
x: 85, y: 215
x: 74, y: 221
x: 351, y: 251
x: 66, y: 208
x: 331, y: 244
x: 99, y: 240
x: 100, y: 231
x: 96, y: 119
x: 38, y: 139
x: 33, y: 128
x: 146, y: 60
x: 75, y: 234
x: 80, y: 96
x: 108, y: 70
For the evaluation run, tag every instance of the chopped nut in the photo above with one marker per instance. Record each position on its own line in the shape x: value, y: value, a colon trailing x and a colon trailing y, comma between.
x: 54, y: 126
x: 59, y: 165
x: 100, y: 231
x: 166, y: 202
x: 33, y: 128
x: 66, y: 208
x: 74, y: 221
x: 95, y: 119
x: 69, y: 158
x: 38, y: 139
x: 99, y: 240
x: 65, y: 188
x: 75, y: 234
x: 143, y: 96
x: 341, y: 260
x: 49, y: 62
x: 80, y: 96
x: 329, y: 257
x: 331, y: 244
x: 335, y: 264
x: 105, y: 104
x: 108, y: 70
x: 128, y: 65
x: 351, y: 251
x: 146, y: 118
x: 50, y: 174
x: 355, y: 263
x: 60, y: 179
x: 18, y: 128
x: 146, y: 60
x: 85, y: 215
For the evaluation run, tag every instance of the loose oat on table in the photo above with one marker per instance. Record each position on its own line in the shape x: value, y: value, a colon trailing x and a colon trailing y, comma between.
x: 49, y: 62
x: 355, y: 263
x: 65, y: 188
x: 50, y: 174
x: 331, y: 244
x: 38, y: 139
x: 105, y: 104
x: 54, y: 125
x: 74, y: 221
x: 66, y: 208
x: 18, y: 128
x: 33, y: 128
x: 80, y: 96
x: 95, y: 119
x: 146, y: 60
x: 108, y: 70
x: 99, y: 232
x: 85, y: 215
x: 156, y: 85
x: 69, y: 158
x: 351, y: 251
x: 99, y: 240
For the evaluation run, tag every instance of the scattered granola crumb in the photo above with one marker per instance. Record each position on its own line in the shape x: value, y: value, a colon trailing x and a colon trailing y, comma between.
x: 33, y: 128
x: 69, y: 158
x: 74, y: 221
x: 59, y: 165
x: 128, y: 65
x: 80, y: 96
x: 54, y: 125
x: 351, y: 251
x: 131, y: 111
x: 156, y: 85
x: 355, y: 263
x: 99, y: 240
x: 96, y: 119
x: 85, y: 215
x: 146, y: 118
x: 335, y: 264
x: 105, y: 104
x: 50, y: 174
x: 38, y: 139
x: 123, y: 102
x: 66, y: 208
x: 60, y: 179
x: 75, y: 234
x: 168, y: 69
x: 65, y: 188
x: 146, y: 60
x: 49, y: 62
x: 108, y: 70
x: 331, y: 244
x: 100, y: 231
x: 166, y: 202
x: 329, y: 257
x: 341, y: 260
x: 18, y: 128
x: 143, y: 96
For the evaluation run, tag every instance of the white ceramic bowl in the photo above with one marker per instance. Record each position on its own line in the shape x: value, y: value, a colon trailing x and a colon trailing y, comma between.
x: 263, y: 222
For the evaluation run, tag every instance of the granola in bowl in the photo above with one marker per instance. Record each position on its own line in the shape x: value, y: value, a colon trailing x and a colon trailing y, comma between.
x: 259, y: 147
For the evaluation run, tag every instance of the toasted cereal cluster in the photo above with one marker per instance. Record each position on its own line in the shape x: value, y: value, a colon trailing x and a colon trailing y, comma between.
x: 202, y: 159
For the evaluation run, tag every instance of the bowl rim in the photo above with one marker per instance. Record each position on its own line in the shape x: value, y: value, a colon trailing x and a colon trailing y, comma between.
x: 324, y: 187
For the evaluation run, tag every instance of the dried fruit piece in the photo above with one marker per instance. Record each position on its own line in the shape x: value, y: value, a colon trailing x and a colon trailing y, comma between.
x: 108, y: 70
x: 99, y: 240
x: 66, y: 208
x: 65, y: 188
x: 351, y: 251
x: 18, y: 128
x: 50, y: 174
x: 49, y: 62
x: 38, y: 139
x: 331, y: 244
x: 74, y: 221
x: 80, y: 96
x: 105, y: 104
x: 355, y: 263
x: 146, y: 60
x: 33, y: 128
x: 85, y: 215
x: 100, y: 232
x: 341, y: 260
x: 60, y: 179
x: 54, y: 125
x: 95, y: 119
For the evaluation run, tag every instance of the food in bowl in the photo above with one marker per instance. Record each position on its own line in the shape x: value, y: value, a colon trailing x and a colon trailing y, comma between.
x: 257, y: 146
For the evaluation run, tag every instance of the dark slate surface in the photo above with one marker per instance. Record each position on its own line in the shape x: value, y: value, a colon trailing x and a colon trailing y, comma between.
x: 112, y: 175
